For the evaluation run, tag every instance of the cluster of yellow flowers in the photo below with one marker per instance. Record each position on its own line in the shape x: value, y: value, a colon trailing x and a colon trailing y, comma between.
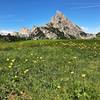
x: 11, y: 63
x: 83, y: 75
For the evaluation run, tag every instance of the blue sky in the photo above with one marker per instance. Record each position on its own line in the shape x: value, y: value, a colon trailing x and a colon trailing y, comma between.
x: 15, y: 14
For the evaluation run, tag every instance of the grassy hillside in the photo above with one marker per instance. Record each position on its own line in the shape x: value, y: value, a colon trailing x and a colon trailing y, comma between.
x: 50, y: 70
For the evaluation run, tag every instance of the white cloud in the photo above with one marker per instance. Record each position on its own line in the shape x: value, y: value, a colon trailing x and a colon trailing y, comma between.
x: 97, y: 29
x: 91, y: 29
x: 87, y: 6
x: 7, y: 16
x: 10, y: 18
x: 85, y: 29
x: 5, y: 32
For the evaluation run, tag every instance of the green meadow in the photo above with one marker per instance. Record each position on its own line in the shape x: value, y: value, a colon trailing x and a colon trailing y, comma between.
x: 50, y: 70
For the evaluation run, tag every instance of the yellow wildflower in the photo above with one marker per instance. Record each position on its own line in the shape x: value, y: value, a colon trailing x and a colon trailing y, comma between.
x: 13, y: 60
x: 31, y: 54
x: 7, y: 59
x: 26, y: 60
x: 40, y: 57
x: 11, y: 63
x: 35, y: 61
x: 16, y: 76
x: 10, y: 66
x: 74, y: 57
x: 26, y: 71
x: 69, y: 62
x: 58, y: 86
x: 83, y: 75
x: 72, y: 72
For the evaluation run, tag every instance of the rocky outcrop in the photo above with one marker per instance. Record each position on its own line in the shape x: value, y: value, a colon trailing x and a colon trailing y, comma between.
x: 59, y: 27
x: 24, y: 32
x: 37, y: 33
x: 98, y: 34
x: 47, y: 32
x: 66, y: 26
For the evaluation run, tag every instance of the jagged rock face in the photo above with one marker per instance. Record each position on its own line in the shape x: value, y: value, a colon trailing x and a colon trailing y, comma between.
x: 47, y: 32
x: 65, y: 25
x: 42, y: 33
x: 58, y: 28
x: 24, y: 32
x: 36, y: 33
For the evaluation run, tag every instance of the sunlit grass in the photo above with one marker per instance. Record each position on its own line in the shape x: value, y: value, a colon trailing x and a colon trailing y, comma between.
x: 50, y: 70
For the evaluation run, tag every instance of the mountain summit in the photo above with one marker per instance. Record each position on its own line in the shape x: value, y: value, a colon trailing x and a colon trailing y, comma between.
x: 59, y: 27
x: 65, y: 25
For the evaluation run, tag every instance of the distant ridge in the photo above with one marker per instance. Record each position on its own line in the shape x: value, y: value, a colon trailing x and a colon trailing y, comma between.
x: 59, y: 27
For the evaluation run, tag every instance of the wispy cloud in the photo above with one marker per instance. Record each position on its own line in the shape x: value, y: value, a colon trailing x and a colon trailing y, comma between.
x: 85, y: 28
x: 7, y: 16
x: 88, y: 6
x: 6, y: 31
x: 91, y: 29
x: 85, y: 3
x: 10, y: 18
x: 96, y: 29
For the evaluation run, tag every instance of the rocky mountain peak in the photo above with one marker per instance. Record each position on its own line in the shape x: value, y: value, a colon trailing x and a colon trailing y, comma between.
x: 60, y: 21
x: 59, y: 27
x: 65, y: 25
x: 58, y: 18
x: 24, y: 30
